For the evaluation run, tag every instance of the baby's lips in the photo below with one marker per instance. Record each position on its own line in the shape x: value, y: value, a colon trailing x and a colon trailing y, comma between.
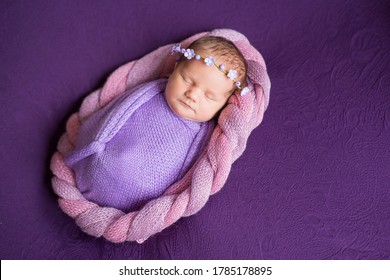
x: 185, y: 103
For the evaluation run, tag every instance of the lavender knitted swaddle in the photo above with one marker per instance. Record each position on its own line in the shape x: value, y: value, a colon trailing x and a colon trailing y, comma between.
x: 134, y: 148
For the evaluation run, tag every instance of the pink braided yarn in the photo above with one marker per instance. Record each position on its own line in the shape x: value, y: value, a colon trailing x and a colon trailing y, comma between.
x: 206, y: 177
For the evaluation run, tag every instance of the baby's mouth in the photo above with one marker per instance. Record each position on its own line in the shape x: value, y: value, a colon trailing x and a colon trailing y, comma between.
x: 186, y: 105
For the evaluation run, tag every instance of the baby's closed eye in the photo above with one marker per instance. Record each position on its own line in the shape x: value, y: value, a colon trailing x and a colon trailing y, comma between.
x: 210, y: 96
x: 186, y: 80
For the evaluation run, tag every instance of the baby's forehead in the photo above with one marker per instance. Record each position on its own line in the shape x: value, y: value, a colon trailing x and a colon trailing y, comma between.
x: 192, y: 66
x: 198, y: 66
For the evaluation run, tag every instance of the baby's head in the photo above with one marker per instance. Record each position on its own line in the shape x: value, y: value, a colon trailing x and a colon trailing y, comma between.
x: 196, y: 91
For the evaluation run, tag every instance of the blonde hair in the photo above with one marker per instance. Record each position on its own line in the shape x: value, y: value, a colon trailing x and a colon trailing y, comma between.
x: 224, y: 52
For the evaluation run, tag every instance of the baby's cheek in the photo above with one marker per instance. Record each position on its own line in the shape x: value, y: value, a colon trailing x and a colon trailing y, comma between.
x: 169, y: 91
x: 173, y: 89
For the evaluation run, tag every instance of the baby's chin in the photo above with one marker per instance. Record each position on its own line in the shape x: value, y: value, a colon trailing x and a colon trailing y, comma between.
x: 186, y: 114
x: 178, y: 110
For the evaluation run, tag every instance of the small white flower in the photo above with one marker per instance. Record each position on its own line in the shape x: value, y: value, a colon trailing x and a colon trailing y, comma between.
x: 176, y: 48
x: 189, y: 53
x: 232, y: 74
x: 244, y: 91
x: 209, y: 61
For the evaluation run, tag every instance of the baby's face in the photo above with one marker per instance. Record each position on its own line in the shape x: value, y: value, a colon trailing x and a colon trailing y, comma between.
x: 196, y: 91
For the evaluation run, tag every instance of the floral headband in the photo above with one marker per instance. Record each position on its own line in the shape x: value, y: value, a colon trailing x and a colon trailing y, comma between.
x: 190, y: 53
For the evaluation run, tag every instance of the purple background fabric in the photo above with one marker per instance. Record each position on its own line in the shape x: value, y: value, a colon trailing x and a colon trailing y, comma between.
x: 314, y: 181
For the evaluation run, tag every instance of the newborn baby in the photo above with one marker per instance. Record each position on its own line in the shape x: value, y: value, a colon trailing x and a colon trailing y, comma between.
x: 143, y: 141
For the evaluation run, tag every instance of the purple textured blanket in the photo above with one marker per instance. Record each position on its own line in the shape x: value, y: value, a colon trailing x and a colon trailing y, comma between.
x: 133, y: 149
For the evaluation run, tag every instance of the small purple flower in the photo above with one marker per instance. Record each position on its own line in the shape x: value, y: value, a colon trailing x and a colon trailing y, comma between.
x: 244, y: 91
x: 197, y: 57
x: 238, y: 84
x: 189, y: 53
x: 209, y: 61
x: 222, y: 67
x: 232, y: 74
x: 176, y: 48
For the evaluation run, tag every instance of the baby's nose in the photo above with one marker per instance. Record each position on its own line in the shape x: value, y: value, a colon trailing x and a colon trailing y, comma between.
x: 193, y: 93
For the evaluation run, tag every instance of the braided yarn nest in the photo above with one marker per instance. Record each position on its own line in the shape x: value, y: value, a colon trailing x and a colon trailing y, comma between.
x: 206, y: 177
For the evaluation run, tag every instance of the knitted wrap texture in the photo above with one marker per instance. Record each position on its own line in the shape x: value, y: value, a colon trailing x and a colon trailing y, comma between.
x: 137, y: 127
x: 207, y: 175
